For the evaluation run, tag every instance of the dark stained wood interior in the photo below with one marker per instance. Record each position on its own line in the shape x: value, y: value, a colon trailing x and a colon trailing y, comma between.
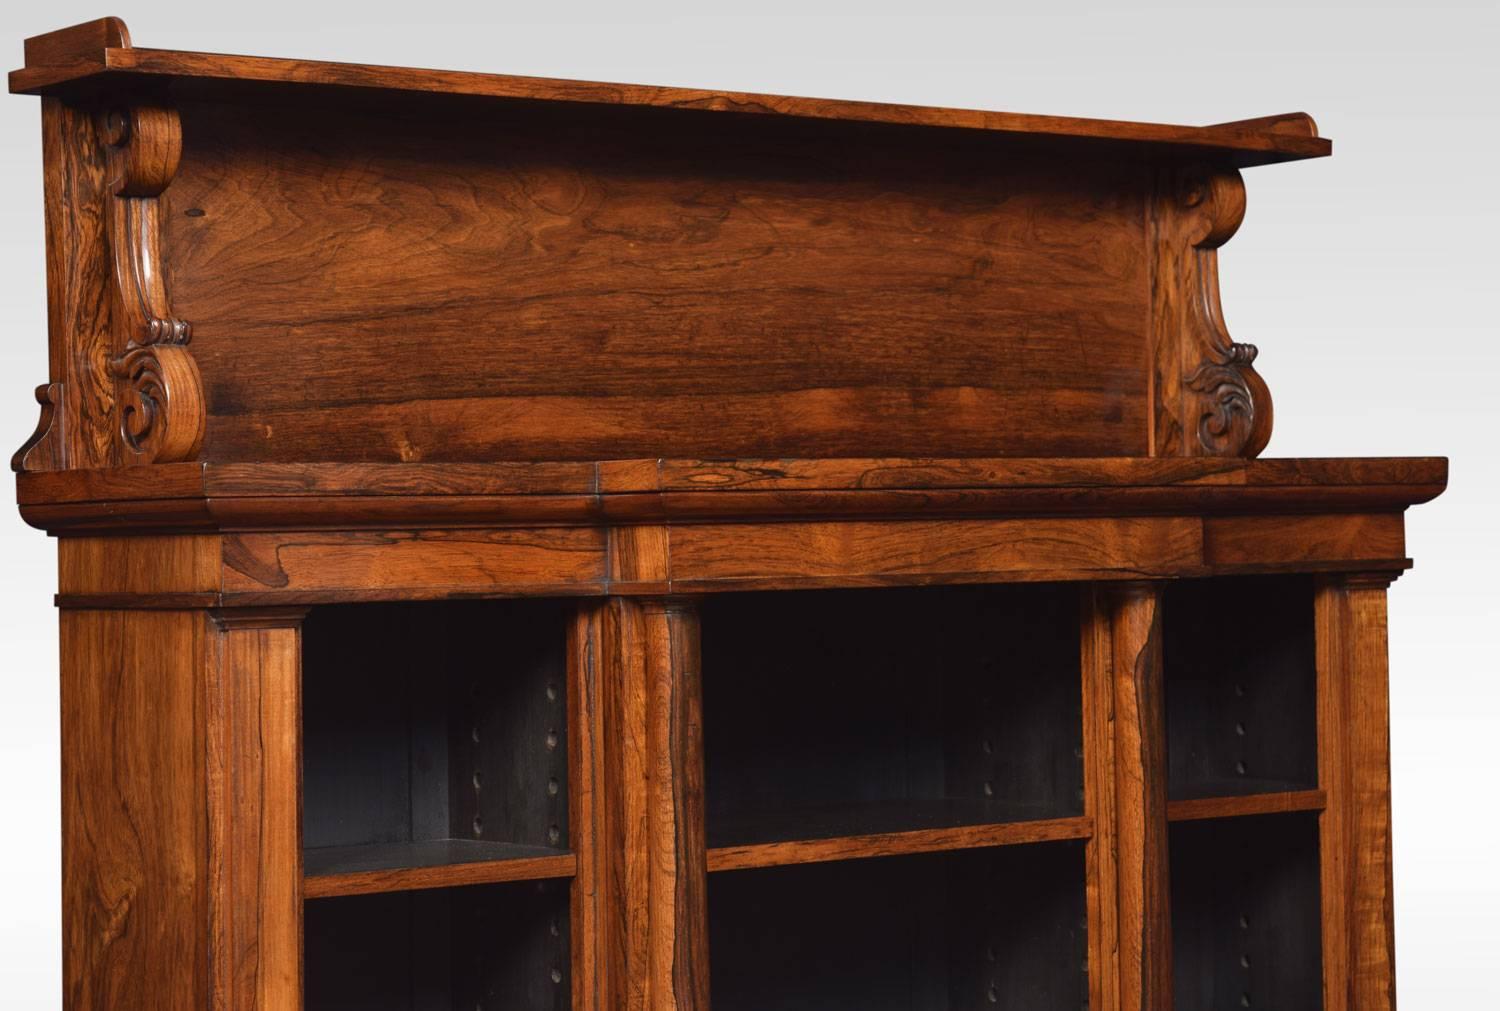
x: 922, y: 933
x: 1241, y: 694
x: 967, y: 711
x: 1245, y: 913
x: 419, y: 738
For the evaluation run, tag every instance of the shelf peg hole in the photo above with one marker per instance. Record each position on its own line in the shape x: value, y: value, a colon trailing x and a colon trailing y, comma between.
x: 552, y: 740
x: 553, y: 788
x: 478, y: 826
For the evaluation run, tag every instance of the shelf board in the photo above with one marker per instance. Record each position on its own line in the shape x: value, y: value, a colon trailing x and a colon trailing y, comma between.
x: 1245, y: 805
x: 755, y: 826
x: 887, y: 844
x: 437, y: 863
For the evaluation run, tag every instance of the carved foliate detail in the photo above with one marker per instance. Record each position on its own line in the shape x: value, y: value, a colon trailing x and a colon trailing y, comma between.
x: 159, y: 392
x: 1210, y: 399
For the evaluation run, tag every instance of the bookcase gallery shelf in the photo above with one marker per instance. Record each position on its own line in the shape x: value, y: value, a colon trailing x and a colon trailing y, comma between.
x: 558, y: 546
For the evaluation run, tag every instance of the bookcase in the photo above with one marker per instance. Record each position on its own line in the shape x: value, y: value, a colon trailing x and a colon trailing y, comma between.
x: 543, y: 545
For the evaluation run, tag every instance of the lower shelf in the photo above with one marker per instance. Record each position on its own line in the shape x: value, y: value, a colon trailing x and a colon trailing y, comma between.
x: 438, y: 863
x: 1245, y: 913
x: 1003, y: 928
x: 484, y: 947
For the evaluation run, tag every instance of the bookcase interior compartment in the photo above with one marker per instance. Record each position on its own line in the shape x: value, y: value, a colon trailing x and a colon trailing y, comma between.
x: 433, y: 733
x: 1003, y: 928
x: 1245, y: 913
x: 1241, y: 686
x: 466, y: 949
x: 847, y: 712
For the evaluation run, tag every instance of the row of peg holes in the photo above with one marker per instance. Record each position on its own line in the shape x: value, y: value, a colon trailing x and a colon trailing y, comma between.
x: 554, y: 833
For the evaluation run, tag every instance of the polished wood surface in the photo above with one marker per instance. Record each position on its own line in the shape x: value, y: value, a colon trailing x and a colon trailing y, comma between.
x: 858, y: 280
x: 137, y: 890
x: 886, y: 844
x: 253, y: 703
x: 1354, y: 767
x: 769, y: 396
x: 104, y: 47
x: 1140, y: 797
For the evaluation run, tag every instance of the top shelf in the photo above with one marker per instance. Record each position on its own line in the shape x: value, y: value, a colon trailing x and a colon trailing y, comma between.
x: 100, y: 52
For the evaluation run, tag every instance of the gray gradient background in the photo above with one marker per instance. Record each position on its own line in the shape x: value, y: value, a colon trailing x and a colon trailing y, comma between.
x: 1368, y: 280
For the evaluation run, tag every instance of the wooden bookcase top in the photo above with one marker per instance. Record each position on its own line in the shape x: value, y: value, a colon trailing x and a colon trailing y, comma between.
x: 100, y: 53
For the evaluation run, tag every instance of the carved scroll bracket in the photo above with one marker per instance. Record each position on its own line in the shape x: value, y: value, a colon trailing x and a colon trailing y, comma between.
x: 159, y: 391
x: 1210, y: 401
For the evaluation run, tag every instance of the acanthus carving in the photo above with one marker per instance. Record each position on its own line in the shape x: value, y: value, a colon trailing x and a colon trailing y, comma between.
x: 159, y: 391
x: 1210, y: 399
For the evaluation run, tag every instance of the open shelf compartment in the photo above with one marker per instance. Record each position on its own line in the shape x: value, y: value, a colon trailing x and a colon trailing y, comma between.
x: 1245, y: 913
x: 434, y: 745
x: 1002, y: 928
x: 850, y: 713
x: 1240, y: 668
x: 489, y: 946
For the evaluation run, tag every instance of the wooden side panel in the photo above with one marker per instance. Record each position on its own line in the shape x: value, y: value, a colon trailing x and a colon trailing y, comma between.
x: 254, y: 811
x: 1354, y: 768
x: 1138, y: 737
x: 135, y: 874
x: 595, y: 909
x: 1099, y: 802
x: 453, y: 281
x: 655, y: 943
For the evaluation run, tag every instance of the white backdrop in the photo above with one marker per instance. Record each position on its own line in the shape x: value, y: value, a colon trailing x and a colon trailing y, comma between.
x: 1368, y: 281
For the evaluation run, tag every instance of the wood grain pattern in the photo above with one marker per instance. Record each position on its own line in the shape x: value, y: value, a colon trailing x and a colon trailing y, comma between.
x: 888, y: 844
x: 867, y: 553
x: 254, y: 806
x: 458, y: 875
x: 136, y: 876
x: 656, y: 944
x: 77, y: 43
x: 79, y: 336
x: 76, y: 54
x: 138, y: 565
x: 899, y: 324
x: 1140, y: 789
x: 1354, y: 770
x: 210, y: 496
x: 1100, y: 801
x: 596, y: 900
x: 432, y: 562
x: 1199, y: 808
x: 1245, y: 540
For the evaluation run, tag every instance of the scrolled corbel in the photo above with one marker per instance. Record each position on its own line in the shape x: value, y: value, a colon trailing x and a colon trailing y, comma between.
x: 159, y: 391
x: 1210, y: 401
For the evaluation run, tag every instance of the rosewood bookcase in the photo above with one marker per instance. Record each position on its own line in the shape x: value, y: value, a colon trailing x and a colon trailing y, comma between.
x: 534, y: 544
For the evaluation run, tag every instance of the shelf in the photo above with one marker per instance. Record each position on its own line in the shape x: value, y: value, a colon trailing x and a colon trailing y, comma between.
x: 1245, y: 912
x: 439, y: 863
x: 890, y: 844
x: 1286, y: 802
x: 757, y: 826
